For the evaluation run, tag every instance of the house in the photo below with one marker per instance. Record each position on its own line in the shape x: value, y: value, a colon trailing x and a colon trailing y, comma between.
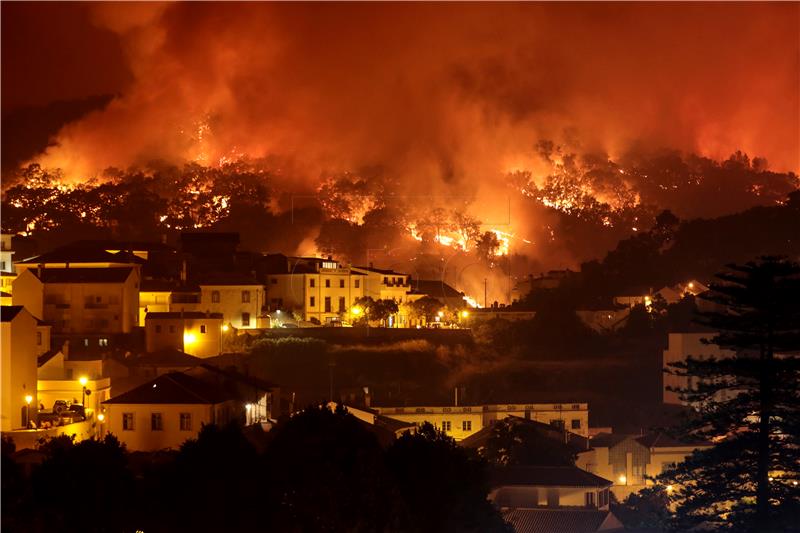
x: 551, y: 280
x: 160, y: 362
x: 193, y: 332
x: 547, y: 499
x: 18, y: 368
x: 68, y: 256
x: 155, y: 296
x: 498, y: 312
x: 318, y: 290
x: 462, y: 421
x: 384, y: 284
x: 6, y: 253
x: 83, y: 300
x: 682, y: 345
x: 439, y: 290
x: 165, y: 412
x: 628, y: 460
x: 561, y: 437
x: 386, y: 429
x: 238, y: 298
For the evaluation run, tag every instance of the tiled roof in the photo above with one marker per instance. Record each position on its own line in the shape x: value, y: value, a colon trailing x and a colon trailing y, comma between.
x: 80, y: 255
x: 4, y: 295
x: 659, y: 440
x: 573, y: 441
x: 381, y: 271
x: 9, y: 312
x: 561, y: 520
x: 546, y: 476
x: 434, y: 288
x: 173, y: 388
x: 45, y: 357
x: 181, y: 314
x: 83, y: 275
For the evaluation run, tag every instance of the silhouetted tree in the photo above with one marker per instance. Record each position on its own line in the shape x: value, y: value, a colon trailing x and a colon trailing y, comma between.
x: 515, y: 442
x: 747, y: 404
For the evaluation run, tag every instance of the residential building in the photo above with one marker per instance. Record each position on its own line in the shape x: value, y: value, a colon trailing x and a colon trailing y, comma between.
x: 462, y: 421
x: 6, y: 253
x: 167, y: 411
x: 155, y: 296
x: 628, y: 460
x: 69, y: 257
x: 572, y: 442
x: 78, y: 300
x: 28, y: 291
x: 18, y: 367
x: 318, y: 290
x: 439, y: 290
x: 546, y: 499
x: 680, y: 347
x: 239, y: 299
x: 500, y: 312
x: 193, y: 332
x: 551, y: 280
x: 383, y: 284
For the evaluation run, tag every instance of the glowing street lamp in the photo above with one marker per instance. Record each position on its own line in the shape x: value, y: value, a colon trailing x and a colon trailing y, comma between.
x: 356, y: 311
x: 623, y: 479
x: 440, y: 314
x: 464, y: 314
x: 189, y: 338
x: 83, y: 380
x: 101, y: 417
x: 225, y: 327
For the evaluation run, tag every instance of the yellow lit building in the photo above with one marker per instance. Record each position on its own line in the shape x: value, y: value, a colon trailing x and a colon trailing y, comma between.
x: 18, y: 367
x: 460, y: 422
x: 192, y: 332
x: 318, y: 290
x: 628, y: 460
x: 154, y: 297
x: 682, y: 345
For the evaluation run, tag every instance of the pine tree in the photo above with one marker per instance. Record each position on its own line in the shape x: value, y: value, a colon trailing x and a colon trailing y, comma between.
x: 746, y: 404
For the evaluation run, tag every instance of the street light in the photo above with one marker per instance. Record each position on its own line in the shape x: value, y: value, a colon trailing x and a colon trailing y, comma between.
x: 225, y: 327
x: 83, y: 381
x: 28, y: 400
x: 101, y: 417
x: 464, y: 314
x: 189, y: 338
x: 623, y: 479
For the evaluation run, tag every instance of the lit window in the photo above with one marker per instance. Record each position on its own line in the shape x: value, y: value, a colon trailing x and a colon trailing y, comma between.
x: 245, y: 297
x: 127, y: 422
x: 156, y: 423
x: 466, y: 425
x: 186, y: 421
x: 102, y: 342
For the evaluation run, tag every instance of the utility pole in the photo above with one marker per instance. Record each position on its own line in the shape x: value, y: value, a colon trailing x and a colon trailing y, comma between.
x: 484, y: 292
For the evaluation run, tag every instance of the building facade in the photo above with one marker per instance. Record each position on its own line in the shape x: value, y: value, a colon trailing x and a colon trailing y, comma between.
x: 18, y: 367
x: 192, y: 332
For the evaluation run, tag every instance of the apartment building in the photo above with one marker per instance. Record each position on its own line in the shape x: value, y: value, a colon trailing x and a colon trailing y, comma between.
x: 193, y: 332
x: 18, y: 363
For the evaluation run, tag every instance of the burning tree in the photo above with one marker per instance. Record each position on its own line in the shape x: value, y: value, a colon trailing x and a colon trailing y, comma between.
x: 747, y: 404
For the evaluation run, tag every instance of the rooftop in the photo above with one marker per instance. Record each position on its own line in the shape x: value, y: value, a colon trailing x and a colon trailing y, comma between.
x: 182, y: 314
x: 83, y: 275
x: 9, y: 312
x: 434, y: 288
x: 68, y: 254
x: 561, y: 520
x: 173, y: 388
x: 546, y: 476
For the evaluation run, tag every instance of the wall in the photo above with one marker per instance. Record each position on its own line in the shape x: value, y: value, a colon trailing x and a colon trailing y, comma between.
x: 293, y: 292
x: 142, y: 438
x: 545, y: 413
x: 28, y: 291
x: 153, y: 302
x: 18, y: 363
x: 69, y: 390
x: 231, y: 305
x: 457, y: 416
x: 680, y: 346
x: 525, y: 496
x: 208, y: 344
x: 30, y: 438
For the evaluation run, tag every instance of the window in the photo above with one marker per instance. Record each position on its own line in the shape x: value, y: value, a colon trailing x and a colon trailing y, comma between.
x: 576, y: 423
x: 341, y: 284
x: 186, y: 421
x: 3, y: 266
x: 466, y: 425
x: 158, y: 328
x: 327, y: 304
x: 312, y: 282
x: 245, y: 319
x: 274, y: 281
x: 202, y: 328
x: 86, y: 342
x: 156, y: 424
x: 102, y: 342
x: 557, y: 423
x: 589, y: 499
x: 327, y: 284
x: 341, y: 304
x: 446, y: 425
x: 245, y: 297
x: 127, y: 422
x: 214, y: 297
x: 357, y: 283
x: 385, y: 280
x: 312, y: 301
x: 38, y: 338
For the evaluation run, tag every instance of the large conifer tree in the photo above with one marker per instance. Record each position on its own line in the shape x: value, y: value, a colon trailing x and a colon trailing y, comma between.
x: 746, y: 404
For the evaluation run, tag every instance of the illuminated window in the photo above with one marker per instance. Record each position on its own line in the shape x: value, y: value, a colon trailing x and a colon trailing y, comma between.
x: 312, y: 301
x: 127, y: 422
x: 245, y: 297
x: 245, y: 319
x: 214, y: 297
x: 446, y: 425
x: 186, y: 421
x: 576, y: 423
x: 341, y: 284
x: 357, y: 283
x: 102, y: 342
x: 466, y: 425
x: 203, y: 328
x: 327, y: 283
x: 156, y: 423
